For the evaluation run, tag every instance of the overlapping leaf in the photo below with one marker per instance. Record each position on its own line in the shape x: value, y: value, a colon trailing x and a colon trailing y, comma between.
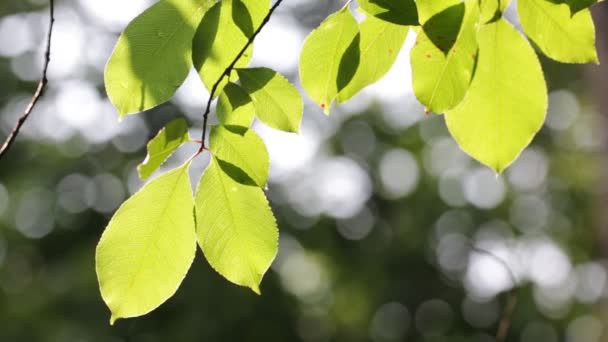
x: 429, y: 8
x: 153, y: 55
x: 235, y: 226
x: 491, y: 10
x: 162, y: 146
x: 234, y: 107
x: 442, y: 78
x: 402, y: 12
x: 277, y: 102
x: 507, y: 101
x: 223, y: 32
x: 330, y: 58
x: 148, y: 246
x: 379, y: 46
x: 561, y: 35
x: 243, y: 152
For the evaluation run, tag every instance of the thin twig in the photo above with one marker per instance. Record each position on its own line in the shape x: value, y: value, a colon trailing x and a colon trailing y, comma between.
x: 229, y: 69
x: 39, y: 90
x: 505, y: 321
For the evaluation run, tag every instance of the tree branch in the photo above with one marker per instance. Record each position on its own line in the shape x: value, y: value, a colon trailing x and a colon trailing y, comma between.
x: 505, y: 321
x: 229, y: 69
x: 39, y: 90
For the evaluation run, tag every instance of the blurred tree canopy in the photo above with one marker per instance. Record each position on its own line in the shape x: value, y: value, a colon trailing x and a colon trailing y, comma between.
x: 381, y: 215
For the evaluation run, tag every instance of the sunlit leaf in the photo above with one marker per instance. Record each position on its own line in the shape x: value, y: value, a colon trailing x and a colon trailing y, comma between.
x: 234, y: 107
x: 243, y: 150
x: 380, y: 44
x: 235, y: 226
x: 162, y: 146
x: 153, y: 55
x: 559, y: 34
x: 277, y: 102
x: 578, y: 5
x: 401, y: 12
x: 491, y: 10
x: 507, y: 101
x: 223, y: 32
x: 441, y: 80
x: 330, y: 58
x: 429, y: 8
x: 148, y: 246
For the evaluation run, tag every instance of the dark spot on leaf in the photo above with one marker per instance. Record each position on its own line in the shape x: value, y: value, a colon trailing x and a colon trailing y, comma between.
x: 428, y: 55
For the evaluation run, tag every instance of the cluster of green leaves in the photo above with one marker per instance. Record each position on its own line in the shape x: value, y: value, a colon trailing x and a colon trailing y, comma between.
x: 150, y: 243
x: 468, y: 62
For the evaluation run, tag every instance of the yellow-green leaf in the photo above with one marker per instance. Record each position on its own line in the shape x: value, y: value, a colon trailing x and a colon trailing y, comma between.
x: 441, y: 80
x: 330, y: 58
x: 235, y: 226
x: 223, y: 32
x: 243, y: 151
x: 507, y: 101
x: 561, y: 35
x: 491, y: 10
x: 380, y: 44
x: 153, y: 55
x: 401, y: 12
x: 429, y: 8
x: 148, y: 246
x: 277, y: 102
x: 234, y: 107
x: 162, y: 146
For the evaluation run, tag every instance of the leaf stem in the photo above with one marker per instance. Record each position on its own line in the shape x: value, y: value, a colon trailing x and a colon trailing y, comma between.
x: 39, y: 90
x: 229, y: 69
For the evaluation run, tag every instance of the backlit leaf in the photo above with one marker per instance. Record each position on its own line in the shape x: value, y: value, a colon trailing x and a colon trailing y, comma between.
x: 234, y: 107
x: 380, y: 44
x: 559, y: 34
x: 148, y: 246
x: 277, y: 102
x: 244, y: 151
x: 429, y: 8
x: 235, y: 226
x: 330, y: 58
x: 153, y: 55
x: 162, y: 146
x: 507, y: 101
x: 223, y: 32
x: 401, y: 12
x: 441, y: 80
x: 491, y: 10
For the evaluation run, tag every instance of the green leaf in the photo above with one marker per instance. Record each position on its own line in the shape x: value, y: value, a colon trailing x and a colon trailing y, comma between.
x: 492, y: 10
x: 330, y: 58
x: 148, y: 246
x: 507, y: 101
x: 441, y: 80
x: 401, y: 12
x: 162, y: 146
x: 380, y: 44
x: 242, y: 150
x: 234, y: 107
x: 429, y: 8
x: 577, y: 5
x: 235, y: 226
x: 559, y: 34
x: 223, y: 32
x: 277, y: 102
x: 153, y: 55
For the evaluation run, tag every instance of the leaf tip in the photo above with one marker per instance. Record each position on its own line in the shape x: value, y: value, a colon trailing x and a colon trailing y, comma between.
x: 113, y: 319
x: 256, y: 288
